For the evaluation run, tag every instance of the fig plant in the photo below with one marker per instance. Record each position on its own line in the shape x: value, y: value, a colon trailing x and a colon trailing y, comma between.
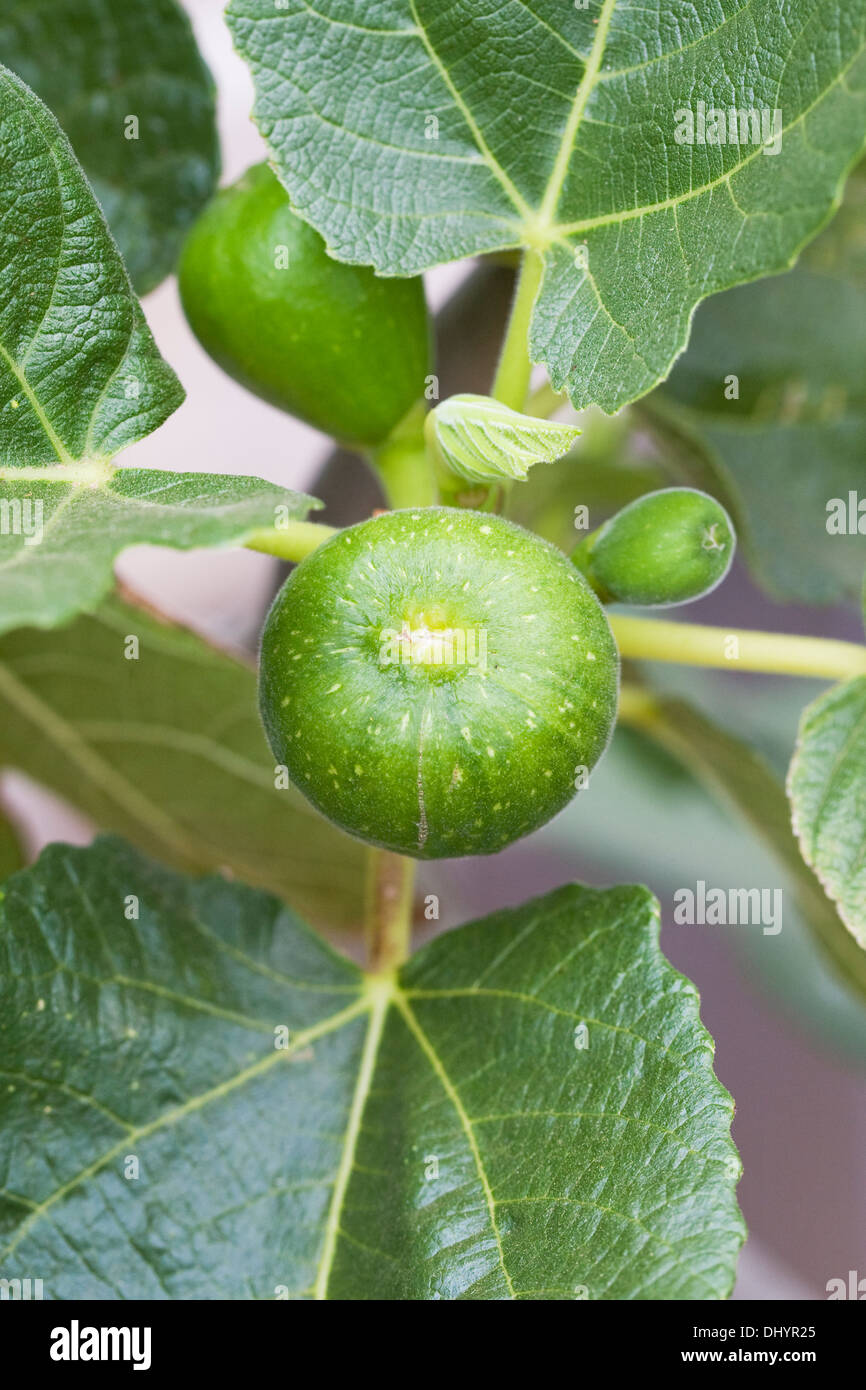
x: 203, y: 1097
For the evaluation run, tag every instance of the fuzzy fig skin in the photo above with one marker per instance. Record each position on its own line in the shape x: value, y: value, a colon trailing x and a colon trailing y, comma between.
x: 344, y: 349
x: 435, y: 681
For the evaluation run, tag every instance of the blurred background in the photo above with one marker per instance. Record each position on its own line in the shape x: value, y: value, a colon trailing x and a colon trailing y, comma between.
x: 790, y: 1039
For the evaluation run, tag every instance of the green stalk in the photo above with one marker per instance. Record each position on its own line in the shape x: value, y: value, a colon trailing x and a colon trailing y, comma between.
x: 388, y: 910
x: 292, y: 542
x: 404, y: 465
x: 511, y: 383
x: 688, y: 644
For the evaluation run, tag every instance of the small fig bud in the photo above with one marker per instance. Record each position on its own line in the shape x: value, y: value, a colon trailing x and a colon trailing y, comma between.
x: 664, y: 548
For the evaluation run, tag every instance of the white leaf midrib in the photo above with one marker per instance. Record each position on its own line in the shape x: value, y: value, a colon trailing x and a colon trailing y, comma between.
x: 381, y: 1001
x: 569, y: 136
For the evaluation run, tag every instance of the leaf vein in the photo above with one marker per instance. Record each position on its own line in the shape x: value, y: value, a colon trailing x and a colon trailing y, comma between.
x: 179, y: 1112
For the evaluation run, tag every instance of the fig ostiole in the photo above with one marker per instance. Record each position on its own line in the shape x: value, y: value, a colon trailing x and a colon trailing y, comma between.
x: 438, y: 682
x: 665, y: 548
x: 333, y: 344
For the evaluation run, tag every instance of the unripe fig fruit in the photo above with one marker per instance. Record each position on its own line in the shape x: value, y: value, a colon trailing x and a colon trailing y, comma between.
x: 437, y: 682
x: 333, y: 344
x: 668, y: 547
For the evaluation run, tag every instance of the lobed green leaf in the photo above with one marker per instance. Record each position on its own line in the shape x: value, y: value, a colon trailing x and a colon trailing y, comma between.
x: 161, y: 742
x: 827, y: 789
x: 125, y: 80
x: 527, y: 1112
x: 422, y: 131
x: 60, y: 538
x: 80, y: 379
x: 80, y: 374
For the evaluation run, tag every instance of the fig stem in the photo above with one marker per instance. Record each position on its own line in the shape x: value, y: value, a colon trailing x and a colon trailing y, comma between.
x: 404, y: 465
x: 292, y: 542
x: 511, y: 383
x: 545, y: 402
x: 581, y: 559
x: 388, y: 910
x: 689, y: 644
